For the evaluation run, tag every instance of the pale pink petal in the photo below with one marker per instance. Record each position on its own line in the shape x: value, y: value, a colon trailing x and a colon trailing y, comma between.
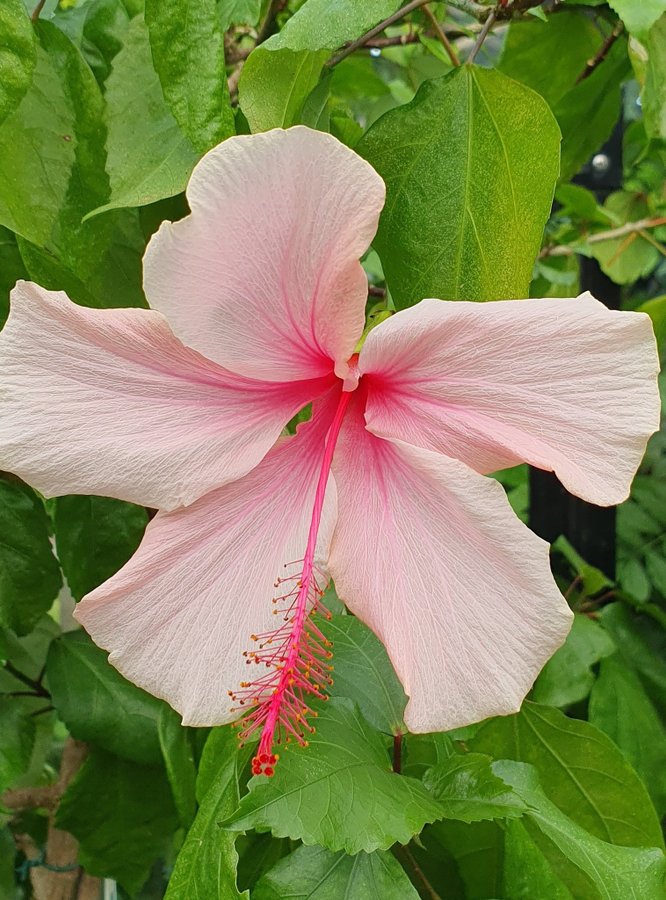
x: 263, y: 276
x: 566, y: 385
x: 110, y: 402
x: 178, y: 617
x: 430, y: 555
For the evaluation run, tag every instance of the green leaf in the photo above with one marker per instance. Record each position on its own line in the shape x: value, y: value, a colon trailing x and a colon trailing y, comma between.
x: 122, y: 815
x: 29, y: 573
x: 17, y: 736
x: 638, y: 17
x: 642, y: 646
x: 238, y: 12
x: 97, y: 704
x: 629, y: 258
x: 654, y: 92
x: 11, y: 269
x: 52, y: 161
x: 466, y: 789
x: 339, y: 792
x: 549, y: 56
x: 187, y: 46
x: 609, y: 872
x: 424, y: 751
x: 363, y: 673
x: 180, y: 765
x: 97, y: 28
x: 149, y: 158
x: 206, y: 864
x: 17, y: 55
x: 527, y: 872
x: 95, y: 536
x: 620, y: 707
x: 478, y: 851
x: 275, y: 84
x: 581, y: 770
x: 461, y: 168
x: 568, y: 677
x: 312, y: 873
x: 8, y: 886
x: 588, y: 112
x: 328, y: 24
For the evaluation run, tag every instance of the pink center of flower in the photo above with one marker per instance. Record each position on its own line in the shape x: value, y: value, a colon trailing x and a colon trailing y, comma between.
x: 296, y: 653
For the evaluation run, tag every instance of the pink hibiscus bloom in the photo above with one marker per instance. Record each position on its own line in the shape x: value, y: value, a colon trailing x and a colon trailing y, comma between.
x: 258, y: 304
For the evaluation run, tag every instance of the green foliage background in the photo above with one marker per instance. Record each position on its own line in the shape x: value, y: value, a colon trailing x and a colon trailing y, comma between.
x: 105, y: 107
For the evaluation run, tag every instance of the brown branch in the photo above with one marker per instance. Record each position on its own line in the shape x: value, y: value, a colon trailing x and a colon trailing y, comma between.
x: 268, y: 26
x: 30, y: 798
x: 37, y: 10
x: 446, y: 43
x: 601, y: 55
x: 406, y: 857
x: 397, y: 753
x: 601, y: 236
x: 390, y: 20
x: 483, y: 34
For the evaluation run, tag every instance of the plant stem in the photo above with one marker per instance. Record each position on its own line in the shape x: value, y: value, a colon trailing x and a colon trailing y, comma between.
x: 487, y: 25
x: 360, y: 42
x: 601, y: 236
x: 599, y: 57
x: 406, y: 857
x: 397, y: 752
x: 446, y: 43
x: 37, y: 10
x: 36, y: 686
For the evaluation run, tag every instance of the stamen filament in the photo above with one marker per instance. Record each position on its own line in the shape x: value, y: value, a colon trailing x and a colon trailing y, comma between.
x: 296, y: 650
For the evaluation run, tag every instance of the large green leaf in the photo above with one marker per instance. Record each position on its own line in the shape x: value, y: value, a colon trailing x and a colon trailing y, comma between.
x: 7, y: 855
x: 312, y: 873
x: 29, y: 573
x: 581, y: 770
x: 568, y: 677
x: 328, y: 24
x: 478, y: 852
x: 206, y: 864
x: 363, y: 672
x: 95, y: 536
x: 591, y: 868
x: 654, y: 92
x: 17, y: 55
x: 461, y: 168
x: 187, y: 46
x: 467, y: 789
x: 97, y: 704
x: 17, y: 736
x: 639, y: 15
x: 621, y: 708
x: 274, y: 85
x: 52, y: 161
x: 527, y: 872
x: 122, y: 815
x: 549, y: 56
x: 180, y: 765
x: 149, y: 157
x: 339, y: 792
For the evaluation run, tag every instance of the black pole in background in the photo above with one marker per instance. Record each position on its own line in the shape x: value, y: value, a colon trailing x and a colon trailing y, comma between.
x: 553, y: 511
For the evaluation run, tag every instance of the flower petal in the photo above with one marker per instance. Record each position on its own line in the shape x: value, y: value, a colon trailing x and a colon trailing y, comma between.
x: 263, y: 276
x: 430, y: 555
x: 179, y: 615
x: 566, y: 385
x: 110, y: 402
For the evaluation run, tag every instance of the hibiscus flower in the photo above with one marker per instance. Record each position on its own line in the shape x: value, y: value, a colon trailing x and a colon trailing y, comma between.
x: 257, y: 307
